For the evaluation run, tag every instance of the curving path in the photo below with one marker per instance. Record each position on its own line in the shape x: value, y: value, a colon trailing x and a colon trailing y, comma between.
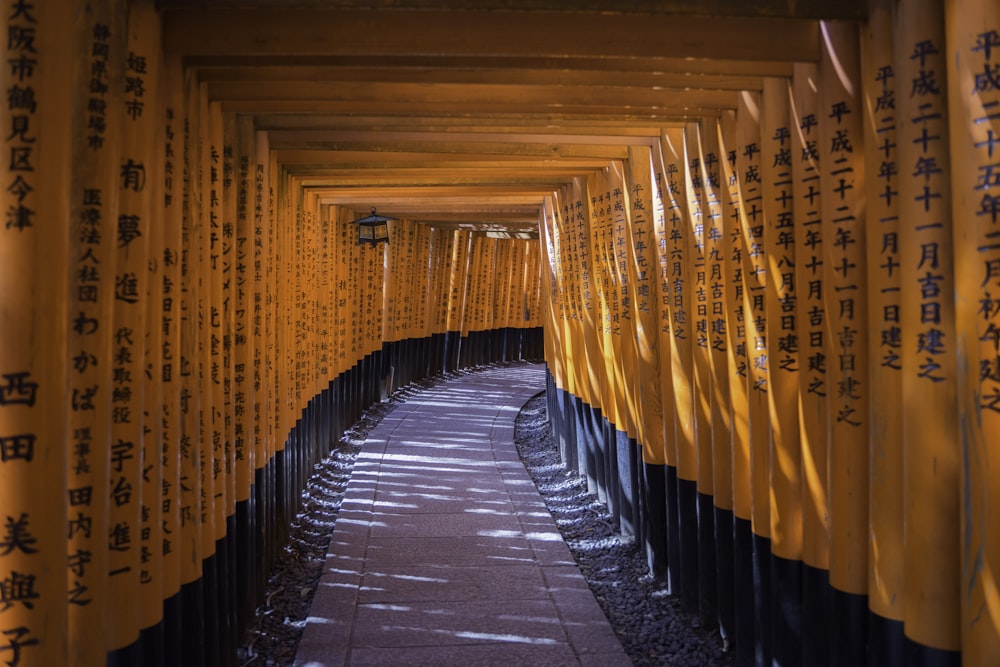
x: 443, y: 552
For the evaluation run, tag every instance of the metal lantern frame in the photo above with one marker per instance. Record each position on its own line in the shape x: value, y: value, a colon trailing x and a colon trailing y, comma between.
x: 373, y: 228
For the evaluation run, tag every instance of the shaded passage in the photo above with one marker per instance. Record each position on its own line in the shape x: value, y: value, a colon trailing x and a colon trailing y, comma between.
x: 443, y: 551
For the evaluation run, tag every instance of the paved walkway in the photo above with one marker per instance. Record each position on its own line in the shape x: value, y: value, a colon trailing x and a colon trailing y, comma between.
x: 443, y: 552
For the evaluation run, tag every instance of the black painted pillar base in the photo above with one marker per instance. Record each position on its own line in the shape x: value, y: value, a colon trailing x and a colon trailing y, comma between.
x: 600, y: 467
x: 626, y: 491
x: 153, y: 643
x: 885, y: 641
x: 581, y: 432
x: 127, y: 656
x: 762, y: 599
x: 568, y: 448
x: 849, y: 628
x: 172, y: 630
x: 210, y: 598
x: 707, y: 589
x: 673, y: 531
x: 194, y: 650
x: 654, y: 484
x: 743, y: 573
x: 786, y: 610
x: 611, y: 472
x: 724, y: 564
x: 816, y: 616
x: 687, y: 520
x: 918, y: 655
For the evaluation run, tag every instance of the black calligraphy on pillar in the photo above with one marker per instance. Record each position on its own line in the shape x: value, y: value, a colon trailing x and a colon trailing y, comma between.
x: 618, y: 291
x: 640, y: 247
x: 931, y: 178
x: 678, y: 288
x: 662, y: 252
x: 23, y: 60
x: 884, y: 210
x: 714, y: 256
x: 781, y: 239
x: 845, y: 270
x: 986, y: 191
x: 17, y: 589
x: 100, y: 52
x: 700, y: 291
x: 135, y: 85
x: 736, y: 255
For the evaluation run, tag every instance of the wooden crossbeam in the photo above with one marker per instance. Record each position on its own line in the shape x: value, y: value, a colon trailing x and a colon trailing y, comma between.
x: 315, y: 32
x: 814, y: 9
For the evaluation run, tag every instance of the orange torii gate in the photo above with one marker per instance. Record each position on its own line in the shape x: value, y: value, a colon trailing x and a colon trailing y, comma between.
x: 770, y: 304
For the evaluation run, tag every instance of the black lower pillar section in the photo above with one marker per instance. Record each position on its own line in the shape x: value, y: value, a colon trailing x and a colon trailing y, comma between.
x: 560, y: 423
x: 124, y: 657
x: 599, y: 453
x: 849, y: 628
x: 194, y: 652
x: 588, y: 450
x: 673, y: 531
x: 707, y: 586
x: 724, y: 562
x: 626, y: 490
x: 245, y: 564
x: 654, y: 479
x: 569, y: 424
x: 153, y: 643
x: 581, y: 428
x: 816, y: 616
x: 687, y: 520
x: 762, y: 599
x: 280, y: 499
x: 172, y: 630
x: 743, y: 570
x: 213, y: 638
x: 261, y: 563
x: 786, y: 610
x: 919, y: 655
x: 611, y: 471
x: 229, y: 601
x: 885, y: 641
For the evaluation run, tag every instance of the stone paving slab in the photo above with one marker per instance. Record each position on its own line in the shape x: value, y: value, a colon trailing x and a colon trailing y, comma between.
x: 443, y: 552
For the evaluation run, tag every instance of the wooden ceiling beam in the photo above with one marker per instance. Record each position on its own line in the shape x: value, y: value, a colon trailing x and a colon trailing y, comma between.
x: 477, y: 97
x: 440, y: 192
x: 483, y: 142
x: 484, y: 62
x: 668, y: 114
x: 392, y: 160
x: 317, y: 32
x: 265, y: 75
x: 438, y: 146
x: 814, y: 9
x: 486, y: 178
x: 449, y: 123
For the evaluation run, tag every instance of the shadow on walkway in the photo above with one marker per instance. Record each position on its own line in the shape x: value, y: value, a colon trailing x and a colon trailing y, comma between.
x: 443, y: 552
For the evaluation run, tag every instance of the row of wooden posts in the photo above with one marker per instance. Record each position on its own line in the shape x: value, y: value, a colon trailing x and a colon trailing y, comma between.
x: 790, y: 316
x: 186, y: 330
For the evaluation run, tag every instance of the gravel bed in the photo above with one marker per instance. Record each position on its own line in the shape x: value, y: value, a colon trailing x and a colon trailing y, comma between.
x: 650, y: 624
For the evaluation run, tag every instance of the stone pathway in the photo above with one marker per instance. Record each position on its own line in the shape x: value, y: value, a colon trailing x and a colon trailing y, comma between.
x: 443, y: 552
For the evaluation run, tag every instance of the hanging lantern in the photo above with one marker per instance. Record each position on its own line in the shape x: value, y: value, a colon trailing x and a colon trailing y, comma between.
x: 373, y: 228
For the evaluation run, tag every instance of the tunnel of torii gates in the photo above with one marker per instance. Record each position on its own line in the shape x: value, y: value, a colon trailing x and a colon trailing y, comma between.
x: 771, y: 327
